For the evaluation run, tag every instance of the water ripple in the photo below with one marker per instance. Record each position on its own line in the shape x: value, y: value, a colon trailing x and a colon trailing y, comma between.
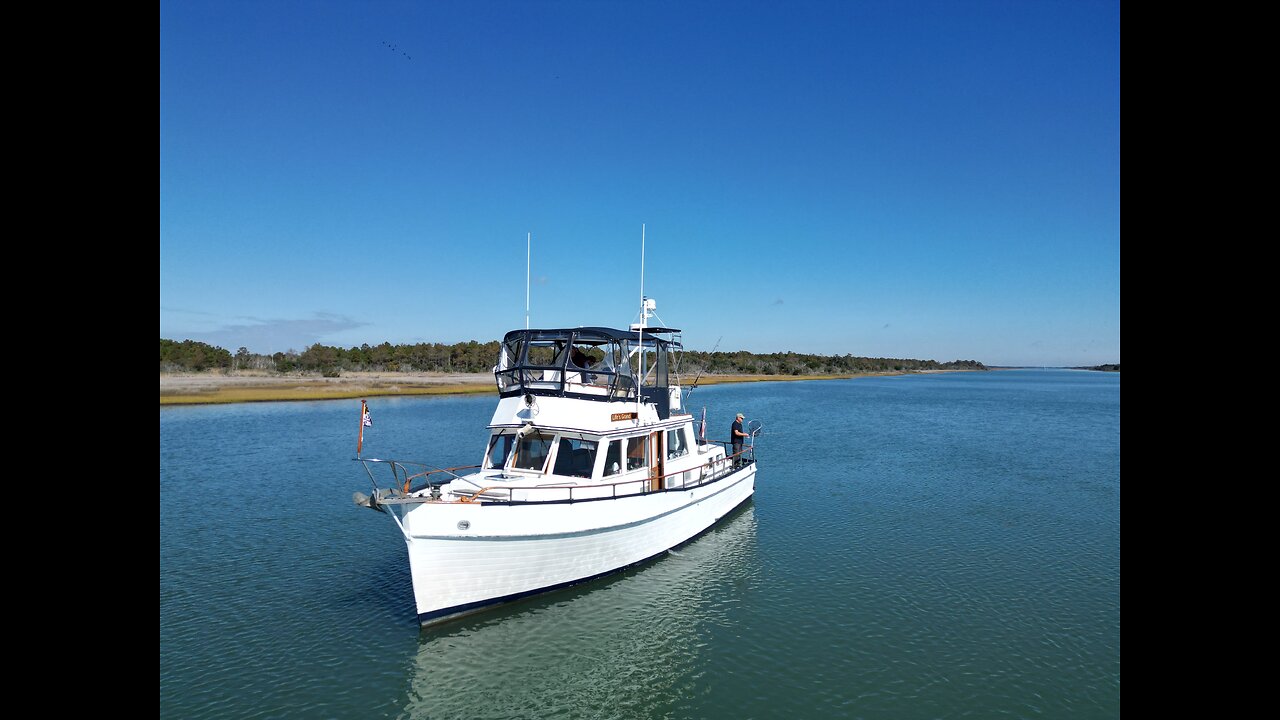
x: 918, y: 547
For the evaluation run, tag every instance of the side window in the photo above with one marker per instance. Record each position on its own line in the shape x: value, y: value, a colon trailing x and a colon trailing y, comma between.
x: 575, y: 457
x: 675, y: 443
x: 626, y: 455
x: 613, y: 459
x: 532, y: 451
x: 637, y: 452
x: 499, y: 449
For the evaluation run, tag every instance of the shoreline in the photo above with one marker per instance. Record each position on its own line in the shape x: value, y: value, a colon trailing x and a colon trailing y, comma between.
x: 216, y: 388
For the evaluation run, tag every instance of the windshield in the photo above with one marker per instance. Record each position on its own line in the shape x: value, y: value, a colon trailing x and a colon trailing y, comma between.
x: 532, y: 451
x: 499, y: 449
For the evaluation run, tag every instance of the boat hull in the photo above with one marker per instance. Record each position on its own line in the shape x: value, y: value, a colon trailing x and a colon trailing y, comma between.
x: 466, y: 557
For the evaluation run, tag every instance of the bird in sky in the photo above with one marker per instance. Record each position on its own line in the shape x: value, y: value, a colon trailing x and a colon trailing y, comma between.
x: 393, y: 48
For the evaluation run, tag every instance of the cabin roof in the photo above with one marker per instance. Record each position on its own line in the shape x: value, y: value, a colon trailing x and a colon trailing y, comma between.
x: 590, y: 333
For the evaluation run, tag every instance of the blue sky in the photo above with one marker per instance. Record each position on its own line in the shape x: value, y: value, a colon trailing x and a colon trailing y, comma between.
x: 905, y: 179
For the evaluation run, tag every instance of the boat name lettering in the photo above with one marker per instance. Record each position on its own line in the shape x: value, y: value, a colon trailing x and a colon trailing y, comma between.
x: 622, y: 416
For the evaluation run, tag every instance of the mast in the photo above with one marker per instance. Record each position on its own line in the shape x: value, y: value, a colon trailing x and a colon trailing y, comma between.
x: 640, y: 331
x: 528, y: 260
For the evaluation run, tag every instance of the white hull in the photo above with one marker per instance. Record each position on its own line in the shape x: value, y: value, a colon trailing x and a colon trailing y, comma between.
x: 468, y: 556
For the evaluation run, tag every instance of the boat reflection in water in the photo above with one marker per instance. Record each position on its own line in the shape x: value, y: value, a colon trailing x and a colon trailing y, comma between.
x: 637, y: 643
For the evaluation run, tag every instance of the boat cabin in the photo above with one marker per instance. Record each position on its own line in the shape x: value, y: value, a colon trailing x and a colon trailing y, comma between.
x: 589, y: 413
x: 643, y: 460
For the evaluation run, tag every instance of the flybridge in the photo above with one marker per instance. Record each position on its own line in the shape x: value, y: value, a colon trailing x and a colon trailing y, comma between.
x: 592, y: 363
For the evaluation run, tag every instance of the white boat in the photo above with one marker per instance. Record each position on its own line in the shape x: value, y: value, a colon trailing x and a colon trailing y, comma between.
x: 591, y: 465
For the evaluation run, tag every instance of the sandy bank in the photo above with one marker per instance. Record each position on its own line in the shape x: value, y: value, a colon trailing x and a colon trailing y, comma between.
x: 217, y: 387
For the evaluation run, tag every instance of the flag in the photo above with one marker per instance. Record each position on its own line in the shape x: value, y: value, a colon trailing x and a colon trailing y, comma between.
x: 365, y: 421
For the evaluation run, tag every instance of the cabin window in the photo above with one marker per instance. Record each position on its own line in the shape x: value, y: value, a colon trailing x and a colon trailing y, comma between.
x: 532, y: 451
x: 508, y: 359
x: 593, y: 361
x: 543, y: 353
x: 613, y: 459
x: 499, y: 449
x: 604, y: 367
x: 627, y: 455
x: 676, y: 446
x: 625, y: 384
x: 584, y: 357
x: 637, y: 452
x: 575, y: 458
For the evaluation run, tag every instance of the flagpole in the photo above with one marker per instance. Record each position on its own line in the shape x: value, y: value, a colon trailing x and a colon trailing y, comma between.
x: 364, y: 412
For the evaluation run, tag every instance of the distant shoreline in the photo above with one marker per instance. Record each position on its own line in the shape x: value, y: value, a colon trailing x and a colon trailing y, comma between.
x: 217, y: 388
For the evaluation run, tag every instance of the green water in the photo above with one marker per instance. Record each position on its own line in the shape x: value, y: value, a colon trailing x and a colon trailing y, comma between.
x: 918, y: 547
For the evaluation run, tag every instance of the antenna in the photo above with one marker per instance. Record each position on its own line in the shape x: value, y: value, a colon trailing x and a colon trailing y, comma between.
x: 528, y: 260
x: 704, y: 367
x: 640, y: 329
x: 642, y: 314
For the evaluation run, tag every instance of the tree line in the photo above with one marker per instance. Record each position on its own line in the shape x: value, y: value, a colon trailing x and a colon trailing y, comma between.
x: 475, y: 357
x: 463, y: 357
x: 790, y: 363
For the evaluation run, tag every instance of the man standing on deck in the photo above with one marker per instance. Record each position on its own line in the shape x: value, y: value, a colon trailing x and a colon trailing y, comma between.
x: 737, y: 434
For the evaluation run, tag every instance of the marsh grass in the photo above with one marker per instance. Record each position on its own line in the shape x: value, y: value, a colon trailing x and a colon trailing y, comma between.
x: 212, y: 391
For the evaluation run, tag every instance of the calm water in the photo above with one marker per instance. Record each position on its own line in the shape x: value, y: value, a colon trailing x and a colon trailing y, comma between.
x: 918, y: 547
